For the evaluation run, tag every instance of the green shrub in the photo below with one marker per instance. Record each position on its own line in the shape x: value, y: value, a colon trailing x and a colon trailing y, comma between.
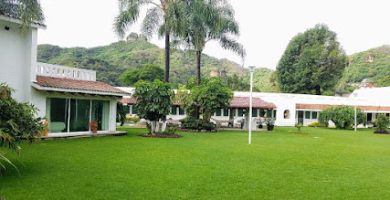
x: 298, y: 126
x: 314, y: 124
x: 132, y: 118
x: 17, y: 122
x: 190, y: 123
x: 342, y: 116
x: 382, y: 122
x: 171, y: 129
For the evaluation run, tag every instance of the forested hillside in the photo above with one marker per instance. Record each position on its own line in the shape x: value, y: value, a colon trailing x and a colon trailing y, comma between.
x: 112, y: 60
x: 373, y: 64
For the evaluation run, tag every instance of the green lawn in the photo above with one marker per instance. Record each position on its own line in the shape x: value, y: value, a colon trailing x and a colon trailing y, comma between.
x: 315, y: 164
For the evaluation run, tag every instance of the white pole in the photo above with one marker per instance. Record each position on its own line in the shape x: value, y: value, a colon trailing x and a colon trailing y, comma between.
x: 355, y: 119
x: 250, y: 106
x: 355, y: 109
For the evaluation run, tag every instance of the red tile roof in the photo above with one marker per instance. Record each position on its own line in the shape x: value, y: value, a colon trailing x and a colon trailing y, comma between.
x: 129, y: 100
x: 236, y: 102
x: 325, y: 106
x: 243, y: 102
x: 80, y: 86
x: 132, y: 101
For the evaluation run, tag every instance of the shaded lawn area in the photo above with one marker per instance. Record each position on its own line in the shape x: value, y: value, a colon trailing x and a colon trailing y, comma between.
x: 316, y: 164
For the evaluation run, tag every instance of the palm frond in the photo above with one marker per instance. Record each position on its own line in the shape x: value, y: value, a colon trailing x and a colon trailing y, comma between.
x: 151, y: 21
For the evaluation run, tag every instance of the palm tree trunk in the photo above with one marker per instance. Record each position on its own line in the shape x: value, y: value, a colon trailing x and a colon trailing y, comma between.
x: 318, y: 90
x: 198, y: 61
x: 167, y: 56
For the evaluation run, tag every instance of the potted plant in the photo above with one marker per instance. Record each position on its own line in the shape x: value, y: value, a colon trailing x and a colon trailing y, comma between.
x: 270, y: 124
x: 45, y: 123
x: 94, y: 126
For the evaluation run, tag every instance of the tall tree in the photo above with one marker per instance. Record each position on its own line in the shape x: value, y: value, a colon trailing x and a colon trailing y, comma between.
x: 162, y: 16
x: 28, y: 11
x: 207, y: 20
x: 147, y: 73
x: 312, y: 62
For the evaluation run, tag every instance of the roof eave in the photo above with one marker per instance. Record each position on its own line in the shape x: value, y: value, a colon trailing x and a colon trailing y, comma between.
x: 17, y: 21
x: 42, y: 88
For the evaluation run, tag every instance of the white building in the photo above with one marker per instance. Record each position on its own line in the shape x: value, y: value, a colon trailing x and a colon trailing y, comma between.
x: 288, y: 109
x: 69, y: 98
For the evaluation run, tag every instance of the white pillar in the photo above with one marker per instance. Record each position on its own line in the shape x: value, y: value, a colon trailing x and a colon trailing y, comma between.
x: 251, y: 68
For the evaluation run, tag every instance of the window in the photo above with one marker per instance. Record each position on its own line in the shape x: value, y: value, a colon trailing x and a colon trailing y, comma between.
x: 181, y: 111
x: 173, y: 110
x: 274, y: 113
x: 262, y: 112
x: 269, y: 113
x: 307, y: 114
x: 79, y: 115
x: 314, y: 115
x: 286, y: 114
x: 74, y: 115
x: 226, y: 112
x: 240, y: 112
x: 134, y: 110
x: 218, y: 112
x: 254, y: 112
x: 57, y: 114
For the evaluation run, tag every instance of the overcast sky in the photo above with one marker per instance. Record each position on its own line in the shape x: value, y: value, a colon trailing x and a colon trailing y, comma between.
x: 266, y: 25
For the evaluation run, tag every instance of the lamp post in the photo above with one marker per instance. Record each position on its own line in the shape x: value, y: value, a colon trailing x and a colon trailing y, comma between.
x: 251, y: 69
x: 355, y: 114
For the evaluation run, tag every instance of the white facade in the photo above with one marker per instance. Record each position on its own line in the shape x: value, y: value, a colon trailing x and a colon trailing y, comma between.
x: 371, y: 100
x: 19, y: 69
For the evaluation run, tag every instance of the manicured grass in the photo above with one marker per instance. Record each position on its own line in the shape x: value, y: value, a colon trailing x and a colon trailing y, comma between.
x: 315, y: 164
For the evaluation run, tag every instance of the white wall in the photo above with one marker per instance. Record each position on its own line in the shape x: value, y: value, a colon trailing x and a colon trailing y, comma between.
x: 17, y: 57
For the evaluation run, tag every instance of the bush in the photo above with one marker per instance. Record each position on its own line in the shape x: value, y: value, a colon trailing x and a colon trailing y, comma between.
x: 298, y: 126
x: 314, y: 124
x: 342, y: 116
x: 382, y: 122
x: 17, y: 122
x: 171, y: 129
x: 190, y: 123
x: 132, y: 118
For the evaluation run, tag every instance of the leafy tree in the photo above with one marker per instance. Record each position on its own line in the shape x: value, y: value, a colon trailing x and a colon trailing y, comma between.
x: 237, y: 83
x: 17, y: 122
x: 163, y: 16
x: 207, y: 20
x: 153, y: 102
x: 313, y: 62
x: 211, y: 95
x: 342, y: 116
x: 28, y: 11
x: 382, y: 122
x: 146, y: 73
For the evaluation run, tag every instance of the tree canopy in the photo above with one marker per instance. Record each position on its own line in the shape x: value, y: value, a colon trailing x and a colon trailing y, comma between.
x: 313, y: 62
x: 147, y: 73
x: 154, y: 100
x: 204, y: 21
x: 212, y: 94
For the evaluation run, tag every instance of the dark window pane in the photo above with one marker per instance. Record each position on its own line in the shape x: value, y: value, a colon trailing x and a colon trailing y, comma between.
x: 307, y: 114
x: 173, y: 110
x: 254, y: 112
x: 57, y: 110
x: 181, y: 111
x: 314, y: 115
x: 79, y: 115
x: 269, y: 113
x: 262, y: 113
x: 240, y: 112
x: 226, y: 112
x: 274, y: 113
x: 218, y: 112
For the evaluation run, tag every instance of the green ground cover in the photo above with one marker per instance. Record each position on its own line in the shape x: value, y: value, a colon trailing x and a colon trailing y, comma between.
x: 315, y: 164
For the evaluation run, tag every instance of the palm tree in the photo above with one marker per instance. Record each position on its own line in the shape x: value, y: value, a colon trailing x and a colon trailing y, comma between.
x: 27, y: 11
x: 207, y: 20
x: 161, y: 15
